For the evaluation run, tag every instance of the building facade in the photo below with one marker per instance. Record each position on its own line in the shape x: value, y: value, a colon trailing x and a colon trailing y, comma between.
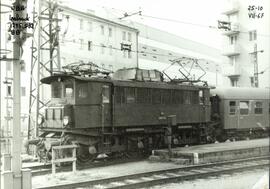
x: 108, y: 44
x: 246, y: 43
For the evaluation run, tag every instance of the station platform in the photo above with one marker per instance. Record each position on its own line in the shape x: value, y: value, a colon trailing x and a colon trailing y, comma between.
x: 215, y: 152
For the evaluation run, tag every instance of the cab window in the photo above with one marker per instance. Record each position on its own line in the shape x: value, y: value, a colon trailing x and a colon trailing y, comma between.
x: 68, y: 92
x: 56, y: 89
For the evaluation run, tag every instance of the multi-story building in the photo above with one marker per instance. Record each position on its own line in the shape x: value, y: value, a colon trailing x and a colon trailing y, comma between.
x: 85, y: 37
x: 246, y: 43
x: 97, y: 40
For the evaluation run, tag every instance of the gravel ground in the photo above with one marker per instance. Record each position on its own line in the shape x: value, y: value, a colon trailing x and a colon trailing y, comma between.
x: 101, y: 172
x: 255, y: 179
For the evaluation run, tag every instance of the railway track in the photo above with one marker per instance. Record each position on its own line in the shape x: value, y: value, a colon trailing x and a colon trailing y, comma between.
x: 152, y: 178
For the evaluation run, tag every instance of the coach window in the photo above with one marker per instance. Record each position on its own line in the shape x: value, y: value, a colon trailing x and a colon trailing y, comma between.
x: 258, y: 109
x: 130, y: 95
x: 232, y: 109
x: 244, y: 107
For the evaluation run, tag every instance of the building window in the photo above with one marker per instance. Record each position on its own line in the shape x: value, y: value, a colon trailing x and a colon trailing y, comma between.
x: 81, y: 24
x: 110, y: 32
x: 22, y: 66
x: 90, y: 26
x: 110, y: 47
x: 124, y: 54
x: 102, y: 46
x: 232, y: 60
x: 252, y: 35
x: 23, y: 93
x: 252, y: 82
x: 8, y: 65
x: 232, y: 109
x: 234, y: 82
x: 129, y: 54
x: 89, y: 45
x: 81, y: 43
x: 233, y: 39
x: 129, y: 37
x: 124, y: 35
x: 8, y: 90
x: 244, y: 107
x: 102, y: 30
x: 258, y: 109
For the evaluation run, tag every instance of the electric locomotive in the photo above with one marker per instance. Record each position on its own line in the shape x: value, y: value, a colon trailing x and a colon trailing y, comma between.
x: 126, y: 113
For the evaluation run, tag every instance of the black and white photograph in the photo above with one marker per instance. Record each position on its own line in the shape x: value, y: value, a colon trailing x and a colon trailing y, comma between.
x: 134, y: 94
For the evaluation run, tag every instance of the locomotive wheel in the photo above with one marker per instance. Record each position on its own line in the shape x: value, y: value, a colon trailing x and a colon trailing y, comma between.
x: 83, y: 155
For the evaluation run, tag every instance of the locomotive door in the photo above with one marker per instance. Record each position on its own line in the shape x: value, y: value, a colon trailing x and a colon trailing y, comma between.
x: 106, y: 106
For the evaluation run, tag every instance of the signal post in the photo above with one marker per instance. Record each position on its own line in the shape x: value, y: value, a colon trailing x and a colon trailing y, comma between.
x: 13, y: 176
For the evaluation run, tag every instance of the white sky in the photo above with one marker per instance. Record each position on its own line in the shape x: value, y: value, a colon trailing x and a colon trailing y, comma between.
x: 205, y: 13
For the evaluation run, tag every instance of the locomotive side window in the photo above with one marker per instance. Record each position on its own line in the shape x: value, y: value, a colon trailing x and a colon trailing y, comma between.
x: 195, y: 97
x: 244, y: 107
x: 156, y: 96
x: 82, y: 90
x: 143, y: 95
x: 177, y: 97
x: 187, y: 97
x: 201, y: 96
x: 166, y: 96
x: 105, y: 94
x: 258, y: 109
x: 130, y: 95
x: 119, y: 95
x: 232, y: 109
x: 56, y: 90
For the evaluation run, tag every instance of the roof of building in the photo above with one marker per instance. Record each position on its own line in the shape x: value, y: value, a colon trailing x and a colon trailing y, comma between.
x: 239, y: 93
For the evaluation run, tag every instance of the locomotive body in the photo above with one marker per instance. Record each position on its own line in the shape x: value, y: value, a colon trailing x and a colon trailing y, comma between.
x: 104, y: 115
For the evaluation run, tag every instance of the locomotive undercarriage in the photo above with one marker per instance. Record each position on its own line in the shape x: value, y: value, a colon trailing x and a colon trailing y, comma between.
x: 128, y: 142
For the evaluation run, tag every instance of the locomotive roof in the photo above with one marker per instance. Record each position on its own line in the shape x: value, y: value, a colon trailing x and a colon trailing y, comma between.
x: 127, y: 83
x: 242, y: 93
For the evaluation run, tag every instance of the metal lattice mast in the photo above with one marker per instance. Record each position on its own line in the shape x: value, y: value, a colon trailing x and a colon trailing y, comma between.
x: 45, y: 58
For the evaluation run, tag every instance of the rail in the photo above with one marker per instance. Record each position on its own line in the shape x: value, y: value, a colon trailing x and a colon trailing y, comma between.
x: 56, y: 160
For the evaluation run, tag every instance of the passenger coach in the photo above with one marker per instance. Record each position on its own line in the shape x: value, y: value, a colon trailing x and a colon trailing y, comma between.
x: 243, y: 112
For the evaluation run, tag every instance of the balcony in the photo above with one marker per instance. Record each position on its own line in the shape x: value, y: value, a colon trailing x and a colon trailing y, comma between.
x: 231, y: 50
x: 230, y: 71
x: 235, y: 29
x: 230, y: 8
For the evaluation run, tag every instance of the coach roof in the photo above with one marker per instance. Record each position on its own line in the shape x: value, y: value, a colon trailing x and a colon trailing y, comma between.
x: 241, y: 93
